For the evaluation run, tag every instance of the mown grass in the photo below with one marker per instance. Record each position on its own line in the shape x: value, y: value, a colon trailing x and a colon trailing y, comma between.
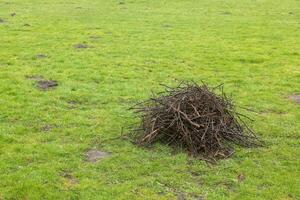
x: 134, y: 45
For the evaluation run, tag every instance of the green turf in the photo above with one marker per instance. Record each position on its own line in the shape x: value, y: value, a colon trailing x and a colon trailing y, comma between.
x: 253, y: 46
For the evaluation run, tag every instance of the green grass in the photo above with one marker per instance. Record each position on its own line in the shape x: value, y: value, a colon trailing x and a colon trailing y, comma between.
x: 253, y: 46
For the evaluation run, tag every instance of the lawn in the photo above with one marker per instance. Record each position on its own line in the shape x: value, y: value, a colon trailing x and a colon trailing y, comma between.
x: 107, y: 55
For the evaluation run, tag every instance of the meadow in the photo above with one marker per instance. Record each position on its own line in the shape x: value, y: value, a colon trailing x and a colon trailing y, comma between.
x: 106, y: 55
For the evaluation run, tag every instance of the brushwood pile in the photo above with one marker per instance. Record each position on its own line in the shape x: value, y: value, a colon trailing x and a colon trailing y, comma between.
x: 200, y: 119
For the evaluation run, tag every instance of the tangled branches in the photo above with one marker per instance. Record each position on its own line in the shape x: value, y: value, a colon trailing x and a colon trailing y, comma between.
x: 195, y: 118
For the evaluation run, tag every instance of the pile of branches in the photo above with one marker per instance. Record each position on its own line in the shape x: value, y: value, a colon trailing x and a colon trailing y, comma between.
x: 196, y: 118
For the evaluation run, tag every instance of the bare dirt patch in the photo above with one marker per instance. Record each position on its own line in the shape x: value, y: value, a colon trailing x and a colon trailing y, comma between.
x: 241, y: 177
x: 295, y: 98
x: 47, y: 127
x: 2, y: 21
x: 13, y: 14
x: 95, y: 155
x: 46, y: 84
x: 81, y: 46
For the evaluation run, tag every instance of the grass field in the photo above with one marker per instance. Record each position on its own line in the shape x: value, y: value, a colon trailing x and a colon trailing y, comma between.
x: 108, y: 54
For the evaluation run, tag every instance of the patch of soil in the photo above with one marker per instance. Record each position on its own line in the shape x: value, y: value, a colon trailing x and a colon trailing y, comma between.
x: 47, y: 127
x: 241, y: 177
x: 295, y: 98
x: 2, y: 21
x: 41, y: 56
x: 46, y: 84
x: 81, y: 46
x: 95, y: 155
x: 13, y: 14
